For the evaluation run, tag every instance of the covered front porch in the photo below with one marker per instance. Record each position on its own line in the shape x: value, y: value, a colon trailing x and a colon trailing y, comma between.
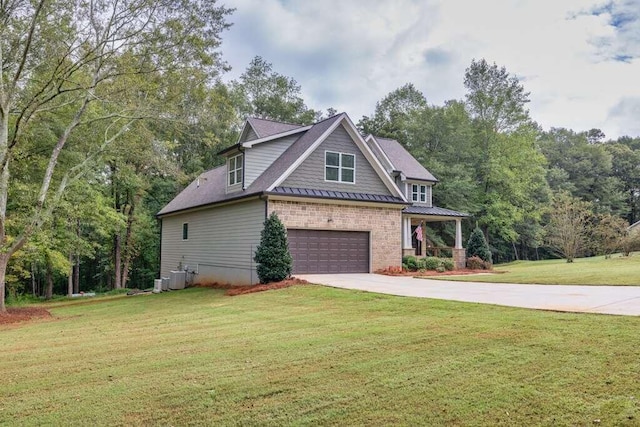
x: 414, y: 217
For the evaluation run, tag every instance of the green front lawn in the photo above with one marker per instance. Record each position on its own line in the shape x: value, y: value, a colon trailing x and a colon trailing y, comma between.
x: 617, y: 270
x: 311, y: 355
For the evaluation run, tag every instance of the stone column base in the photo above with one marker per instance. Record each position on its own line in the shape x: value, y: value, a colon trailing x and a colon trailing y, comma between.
x: 409, y: 252
x: 459, y: 258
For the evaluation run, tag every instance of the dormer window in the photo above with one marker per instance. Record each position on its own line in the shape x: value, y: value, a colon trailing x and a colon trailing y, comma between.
x: 339, y: 167
x: 234, y: 166
x: 419, y: 193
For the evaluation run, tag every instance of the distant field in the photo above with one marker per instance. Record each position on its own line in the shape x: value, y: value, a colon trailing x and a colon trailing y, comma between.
x: 617, y: 270
x: 311, y: 355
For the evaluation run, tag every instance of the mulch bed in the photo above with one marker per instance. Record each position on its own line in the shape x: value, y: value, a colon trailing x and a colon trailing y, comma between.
x: 241, y: 290
x: 23, y: 314
x: 430, y: 273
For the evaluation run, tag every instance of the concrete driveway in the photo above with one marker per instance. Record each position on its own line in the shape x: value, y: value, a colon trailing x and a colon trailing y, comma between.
x: 622, y: 300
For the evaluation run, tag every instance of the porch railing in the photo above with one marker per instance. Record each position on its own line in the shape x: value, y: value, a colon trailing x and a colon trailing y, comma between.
x: 437, y: 251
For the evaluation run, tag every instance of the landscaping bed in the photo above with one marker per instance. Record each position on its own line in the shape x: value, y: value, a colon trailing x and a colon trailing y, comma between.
x: 233, y: 290
x: 430, y: 273
x: 22, y: 314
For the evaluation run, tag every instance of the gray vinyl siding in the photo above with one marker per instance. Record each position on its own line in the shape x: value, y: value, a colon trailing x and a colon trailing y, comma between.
x: 221, y: 244
x: 310, y: 174
x: 408, y: 192
x: 249, y: 135
x: 259, y: 157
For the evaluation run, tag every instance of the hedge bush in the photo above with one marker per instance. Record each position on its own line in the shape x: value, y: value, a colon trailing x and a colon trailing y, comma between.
x: 448, y: 265
x: 432, y: 263
x: 411, y: 262
x: 477, y: 263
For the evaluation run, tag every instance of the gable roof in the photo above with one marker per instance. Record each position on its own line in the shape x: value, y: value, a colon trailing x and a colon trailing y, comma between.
x: 210, y: 187
x: 402, y: 160
x: 318, y: 134
x: 293, y: 153
x: 264, y: 127
x: 265, y: 130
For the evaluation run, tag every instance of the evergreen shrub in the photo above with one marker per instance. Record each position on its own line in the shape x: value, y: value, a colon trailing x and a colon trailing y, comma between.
x: 272, y: 255
x: 478, y: 247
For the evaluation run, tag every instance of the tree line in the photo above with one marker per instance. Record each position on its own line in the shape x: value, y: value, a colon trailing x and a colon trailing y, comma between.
x: 108, y: 108
x: 496, y: 163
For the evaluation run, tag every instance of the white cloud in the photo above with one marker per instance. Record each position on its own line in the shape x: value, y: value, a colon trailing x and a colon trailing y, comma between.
x: 350, y: 54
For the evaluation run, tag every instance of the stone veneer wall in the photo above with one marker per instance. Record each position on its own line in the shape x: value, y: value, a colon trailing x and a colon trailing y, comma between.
x: 460, y: 258
x: 383, y: 223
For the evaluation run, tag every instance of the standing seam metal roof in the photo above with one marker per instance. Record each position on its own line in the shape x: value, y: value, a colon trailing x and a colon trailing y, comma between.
x: 328, y: 194
x: 433, y: 211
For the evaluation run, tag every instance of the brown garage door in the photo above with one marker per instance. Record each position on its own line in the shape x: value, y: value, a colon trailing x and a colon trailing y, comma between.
x: 323, y: 251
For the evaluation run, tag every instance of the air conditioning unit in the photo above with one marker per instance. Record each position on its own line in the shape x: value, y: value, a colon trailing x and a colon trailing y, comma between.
x: 177, y: 279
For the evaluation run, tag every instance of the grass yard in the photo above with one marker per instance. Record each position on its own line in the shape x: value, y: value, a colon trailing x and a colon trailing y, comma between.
x: 618, y: 270
x: 311, y: 355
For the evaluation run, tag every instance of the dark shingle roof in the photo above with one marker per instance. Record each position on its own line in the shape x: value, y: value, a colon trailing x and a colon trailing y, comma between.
x: 403, y: 161
x: 291, y: 154
x: 265, y: 128
x: 326, y: 194
x: 212, y: 188
x: 433, y: 211
x: 208, y: 188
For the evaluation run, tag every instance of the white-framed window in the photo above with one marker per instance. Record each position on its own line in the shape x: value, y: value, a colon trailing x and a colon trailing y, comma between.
x: 234, y: 166
x: 419, y: 193
x: 339, y: 167
x: 185, y: 231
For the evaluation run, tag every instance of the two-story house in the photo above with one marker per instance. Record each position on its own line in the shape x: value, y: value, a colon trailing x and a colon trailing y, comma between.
x: 349, y: 204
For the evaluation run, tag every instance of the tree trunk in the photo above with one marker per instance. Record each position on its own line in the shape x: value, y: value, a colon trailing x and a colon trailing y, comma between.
x: 128, y: 250
x: 34, y: 291
x: 76, y: 275
x: 4, y: 260
x: 49, y: 292
x: 70, y: 278
x: 117, y: 260
x: 125, y: 271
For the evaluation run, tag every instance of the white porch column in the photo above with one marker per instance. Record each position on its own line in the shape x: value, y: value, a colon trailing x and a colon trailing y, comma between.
x: 458, y: 233
x: 406, y: 233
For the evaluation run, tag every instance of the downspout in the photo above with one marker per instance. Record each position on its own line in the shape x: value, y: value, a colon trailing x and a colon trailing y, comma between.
x: 160, y: 251
x: 244, y: 155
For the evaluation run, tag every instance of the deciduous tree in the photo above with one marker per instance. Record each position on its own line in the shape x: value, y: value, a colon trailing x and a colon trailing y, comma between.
x: 509, y: 167
x: 568, y: 228
x: 392, y: 115
x: 264, y: 93
x: 68, y: 60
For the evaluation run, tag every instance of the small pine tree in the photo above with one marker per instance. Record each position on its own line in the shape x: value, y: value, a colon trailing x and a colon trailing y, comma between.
x: 272, y: 255
x: 477, y: 246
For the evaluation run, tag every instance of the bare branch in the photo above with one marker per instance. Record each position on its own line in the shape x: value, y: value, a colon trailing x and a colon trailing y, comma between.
x: 27, y: 45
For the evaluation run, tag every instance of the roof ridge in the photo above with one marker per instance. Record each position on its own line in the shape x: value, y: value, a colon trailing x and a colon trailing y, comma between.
x: 275, y: 121
x: 329, y: 118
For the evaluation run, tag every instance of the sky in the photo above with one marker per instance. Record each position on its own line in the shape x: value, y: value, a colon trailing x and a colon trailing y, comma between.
x: 579, y: 59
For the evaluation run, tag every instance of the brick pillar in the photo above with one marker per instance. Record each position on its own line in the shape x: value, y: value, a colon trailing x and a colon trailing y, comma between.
x: 459, y: 258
